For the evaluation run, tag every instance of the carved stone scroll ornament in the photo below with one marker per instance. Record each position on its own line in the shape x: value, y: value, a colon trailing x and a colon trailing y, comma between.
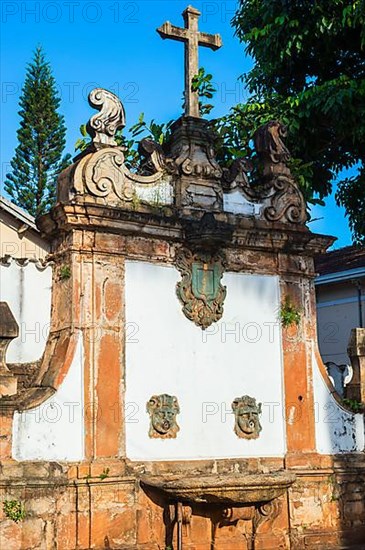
x: 200, y: 290
x: 154, y: 159
x: 105, y: 174
x: 276, y: 191
x: 266, y: 512
x: 246, y: 413
x: 192, y: 148
x: 283, y: 200
x: 236, y: 176
x: 102, y: 172
x: 271, y: 149
x: 103, y: 126
x: 163, y: 410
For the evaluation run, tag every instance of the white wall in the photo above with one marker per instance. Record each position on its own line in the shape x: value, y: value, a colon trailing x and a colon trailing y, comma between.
x: 167, y: 353
x: 55, y: 429
x: 27, y: 290
x: 336, y: 429
x: 236, y: 203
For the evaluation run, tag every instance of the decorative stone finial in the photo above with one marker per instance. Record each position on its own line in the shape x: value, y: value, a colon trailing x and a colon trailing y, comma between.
x: 271, y: 149
x: 9, y: 330
x: 103, y: 126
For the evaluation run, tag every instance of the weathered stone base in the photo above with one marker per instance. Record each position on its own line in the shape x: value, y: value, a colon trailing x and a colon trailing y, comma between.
x: 102, y: 505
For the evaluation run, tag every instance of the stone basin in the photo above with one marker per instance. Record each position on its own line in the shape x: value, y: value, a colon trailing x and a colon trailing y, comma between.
x: 228, y: 489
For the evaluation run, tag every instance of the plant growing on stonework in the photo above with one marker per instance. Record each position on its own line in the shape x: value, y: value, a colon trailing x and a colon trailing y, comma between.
x: 158, y: 132
x: 41, y: 139
x: 104, y: 474
x: 65, y: 272
x: 289, y: 313
x: 353, y: 405
x: 136, y: 201
x: 14, y: 510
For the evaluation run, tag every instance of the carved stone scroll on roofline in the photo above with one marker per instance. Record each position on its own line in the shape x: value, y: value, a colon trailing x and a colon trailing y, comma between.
x: 187, y: 175
x: 101, y: 173
x: 277, y: 194
x: 103, y: 126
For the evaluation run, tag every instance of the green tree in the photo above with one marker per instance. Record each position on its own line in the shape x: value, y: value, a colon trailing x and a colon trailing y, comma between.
x: 41, y: 140
x: 309, y: 68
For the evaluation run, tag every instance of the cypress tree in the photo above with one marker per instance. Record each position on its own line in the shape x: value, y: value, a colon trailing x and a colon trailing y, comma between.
x: 41, y: 140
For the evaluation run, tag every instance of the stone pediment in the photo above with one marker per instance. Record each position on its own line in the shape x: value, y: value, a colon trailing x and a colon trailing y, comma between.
x: 184, y: 175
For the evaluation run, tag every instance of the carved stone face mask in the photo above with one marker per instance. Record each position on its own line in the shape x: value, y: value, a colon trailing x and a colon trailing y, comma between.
x: 163, y: 410
x: 247, y: 423
x: 163, y: 419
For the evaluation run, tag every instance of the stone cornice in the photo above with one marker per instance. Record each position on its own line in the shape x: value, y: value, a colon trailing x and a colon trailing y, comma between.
x: 249, y: 233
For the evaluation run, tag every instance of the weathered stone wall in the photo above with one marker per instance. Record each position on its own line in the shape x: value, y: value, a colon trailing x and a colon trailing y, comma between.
x: 99, y: 503
x: 102, y: 506
x: 101, y: 223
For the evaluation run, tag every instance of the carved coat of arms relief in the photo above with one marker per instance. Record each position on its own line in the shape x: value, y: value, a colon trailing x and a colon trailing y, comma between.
x: 200, y: 290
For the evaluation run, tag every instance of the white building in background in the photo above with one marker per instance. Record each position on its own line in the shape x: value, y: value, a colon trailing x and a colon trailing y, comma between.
x: 19, y: 236
x: 25, y: 281
x: 340, y: 290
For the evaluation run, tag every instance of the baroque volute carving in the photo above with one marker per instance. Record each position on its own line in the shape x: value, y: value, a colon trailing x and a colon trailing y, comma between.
x: 103, y: 126
x: 193, y: 149
x: 286, y: 202
x: 185, y: 171
x: 101, y: 171
x: 154, y: 159
x: 276, y: 191
x: 271, y: 148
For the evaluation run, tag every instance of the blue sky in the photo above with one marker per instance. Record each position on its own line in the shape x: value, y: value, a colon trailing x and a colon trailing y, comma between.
x: 114, y: 45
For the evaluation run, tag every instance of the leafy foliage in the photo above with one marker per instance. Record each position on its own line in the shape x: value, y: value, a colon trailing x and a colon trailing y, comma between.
x: 14, y: 510
x: 289, y: 313
x: 309, y: 72
x: 41, y: 140
x: 202, y: 83
x: 65, y: 272
x: 160, y: 133
x: 104, y: 474
x: 353, y: 405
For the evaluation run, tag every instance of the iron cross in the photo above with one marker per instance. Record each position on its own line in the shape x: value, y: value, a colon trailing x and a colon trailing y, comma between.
x: 192, y: 39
